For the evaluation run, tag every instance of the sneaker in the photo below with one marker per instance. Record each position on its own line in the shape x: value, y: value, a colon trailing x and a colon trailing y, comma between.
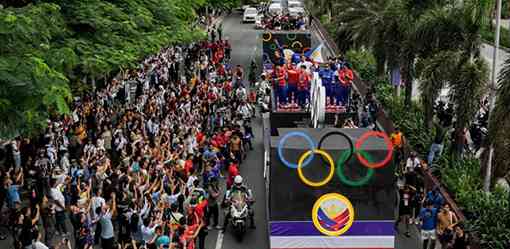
x: 218, y: 227
x: 209, y: 228
x: 407, y: 234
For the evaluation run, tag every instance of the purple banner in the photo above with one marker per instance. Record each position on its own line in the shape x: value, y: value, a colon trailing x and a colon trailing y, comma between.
x: 306, y: 228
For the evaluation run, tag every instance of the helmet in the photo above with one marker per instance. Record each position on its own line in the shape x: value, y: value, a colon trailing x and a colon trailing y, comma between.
x: 238, y: 179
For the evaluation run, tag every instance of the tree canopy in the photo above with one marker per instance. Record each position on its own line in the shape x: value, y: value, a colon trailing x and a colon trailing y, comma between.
x: 49, y: 46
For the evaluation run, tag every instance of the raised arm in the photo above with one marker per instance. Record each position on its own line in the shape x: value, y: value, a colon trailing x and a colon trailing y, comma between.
x: 114, y: 204
x: 37, y: 214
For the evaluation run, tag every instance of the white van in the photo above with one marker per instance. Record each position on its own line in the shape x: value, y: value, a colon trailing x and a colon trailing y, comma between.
x: 275, y: 9
x: 296, y: 8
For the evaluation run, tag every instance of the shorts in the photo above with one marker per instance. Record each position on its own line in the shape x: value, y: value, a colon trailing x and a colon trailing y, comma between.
x: 428, y: 234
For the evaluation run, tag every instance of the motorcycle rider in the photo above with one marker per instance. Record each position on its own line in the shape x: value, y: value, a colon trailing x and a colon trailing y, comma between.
x: 238, y: 186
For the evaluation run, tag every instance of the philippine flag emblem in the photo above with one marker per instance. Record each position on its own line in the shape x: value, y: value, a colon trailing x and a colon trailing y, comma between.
x: 333, y: 214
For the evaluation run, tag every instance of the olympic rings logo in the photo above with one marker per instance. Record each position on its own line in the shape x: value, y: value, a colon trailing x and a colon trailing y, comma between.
x: 363, y: 157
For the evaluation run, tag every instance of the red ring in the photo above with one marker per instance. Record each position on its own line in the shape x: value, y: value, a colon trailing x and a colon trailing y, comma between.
x: 389, y: 147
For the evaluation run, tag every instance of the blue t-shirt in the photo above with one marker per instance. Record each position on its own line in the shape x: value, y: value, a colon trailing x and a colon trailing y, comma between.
x: 155, y: 196
x: 429, y: 218
x: 162, y: 240
x: 436, y: 199
x: 326, y: 77
x: 135, y: 167
x: 13, y: 195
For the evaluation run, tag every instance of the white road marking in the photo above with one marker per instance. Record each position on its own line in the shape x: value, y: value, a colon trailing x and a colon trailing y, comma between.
x: 219, y: 240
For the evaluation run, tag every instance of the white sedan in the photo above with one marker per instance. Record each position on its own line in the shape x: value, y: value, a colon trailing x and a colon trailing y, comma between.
x: 250, y: 14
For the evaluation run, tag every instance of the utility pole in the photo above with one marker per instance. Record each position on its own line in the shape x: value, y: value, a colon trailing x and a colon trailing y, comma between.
x: 492, y: 95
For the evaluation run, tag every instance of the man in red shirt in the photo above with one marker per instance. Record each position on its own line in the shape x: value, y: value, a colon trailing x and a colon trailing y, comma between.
x: 303, y: 88
x: 293, y: 79
x: 281, y: 84
x: 343, y: 89
x: 233, y: 171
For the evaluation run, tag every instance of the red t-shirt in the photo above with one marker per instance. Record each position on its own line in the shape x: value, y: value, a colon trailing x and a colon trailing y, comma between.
x: 200, y: 209
x: 188, y: 236
x: 293, y: 76
x: 200, y: 137
x: 232, y: 172
x: 345, y: 76
x: 188, y: 165
x: 304, y: 80
x: 281, y: 76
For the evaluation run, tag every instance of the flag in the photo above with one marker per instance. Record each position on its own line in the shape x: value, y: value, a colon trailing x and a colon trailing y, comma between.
x: 288, y: 54
x: 315, y: 54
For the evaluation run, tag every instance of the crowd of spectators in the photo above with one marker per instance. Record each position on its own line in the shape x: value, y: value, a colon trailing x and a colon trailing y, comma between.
x: 425, y: 208
x: 134, y: 166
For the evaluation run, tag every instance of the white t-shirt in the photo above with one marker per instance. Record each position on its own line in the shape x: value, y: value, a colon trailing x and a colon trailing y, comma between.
x: 58, y: 197
x: 411, y: 164
x: 39, y: 245
x: 96, y: 202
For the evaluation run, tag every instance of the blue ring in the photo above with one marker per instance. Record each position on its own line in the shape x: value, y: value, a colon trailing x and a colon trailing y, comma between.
x: 298, y: 134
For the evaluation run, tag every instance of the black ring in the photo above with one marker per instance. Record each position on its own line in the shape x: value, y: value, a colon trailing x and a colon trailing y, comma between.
x: 319, y: 145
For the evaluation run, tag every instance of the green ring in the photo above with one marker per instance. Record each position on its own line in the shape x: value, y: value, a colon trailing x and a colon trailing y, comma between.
x: 293, y: 35
x: 353, y: 183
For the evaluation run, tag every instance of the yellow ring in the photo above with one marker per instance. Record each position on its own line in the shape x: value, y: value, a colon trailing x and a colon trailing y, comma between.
x: 317, y: 205
x: 268, y: 39
x: 331, y: 168
x: 297, y: 42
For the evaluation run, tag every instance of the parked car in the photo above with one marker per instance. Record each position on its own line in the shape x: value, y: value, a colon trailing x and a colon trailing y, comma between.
x: 250, y: 14
x: 275, y: 9
x: 296, y: 8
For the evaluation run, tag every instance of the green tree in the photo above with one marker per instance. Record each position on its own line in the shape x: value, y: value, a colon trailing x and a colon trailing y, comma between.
x: 499, y: 128
x: 78, y: 42
x: 30, y: 92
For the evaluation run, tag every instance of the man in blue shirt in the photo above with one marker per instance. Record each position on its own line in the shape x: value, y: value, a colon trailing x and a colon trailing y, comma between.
x: 13, y: 197
x: 435, y: 197
x: 327, y: 80
x: 428, y: 216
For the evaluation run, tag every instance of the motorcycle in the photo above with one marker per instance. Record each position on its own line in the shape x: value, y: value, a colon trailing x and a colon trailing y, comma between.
x: 239, y: 214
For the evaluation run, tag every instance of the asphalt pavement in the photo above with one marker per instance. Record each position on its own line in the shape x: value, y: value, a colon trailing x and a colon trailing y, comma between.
x: 246, y: 45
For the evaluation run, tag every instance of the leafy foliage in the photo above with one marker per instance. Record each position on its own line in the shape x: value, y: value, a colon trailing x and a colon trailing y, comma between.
x: 29, y: 92
x: 500, y: 124
x: 464, y: 178
x: 364, y: 63
x: 49, y: 44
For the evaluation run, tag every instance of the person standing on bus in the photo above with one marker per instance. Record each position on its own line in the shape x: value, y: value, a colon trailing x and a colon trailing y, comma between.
x: 303, y: 88
x: 293, y: 79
